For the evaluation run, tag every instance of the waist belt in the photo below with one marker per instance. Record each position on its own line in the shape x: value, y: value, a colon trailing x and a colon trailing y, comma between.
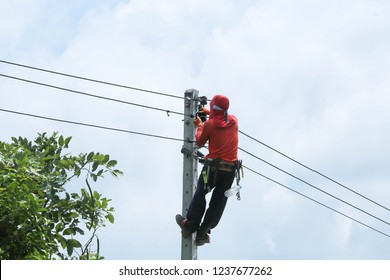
x: 226, y: 166
x: 218, y: 164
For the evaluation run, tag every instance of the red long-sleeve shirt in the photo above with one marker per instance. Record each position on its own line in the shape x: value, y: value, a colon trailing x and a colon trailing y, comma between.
x: 223, y: 141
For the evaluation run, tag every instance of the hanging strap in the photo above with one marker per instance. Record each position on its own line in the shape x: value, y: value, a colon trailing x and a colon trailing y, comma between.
x: 239, y: 168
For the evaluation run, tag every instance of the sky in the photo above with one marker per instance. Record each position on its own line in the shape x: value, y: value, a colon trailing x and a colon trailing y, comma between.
x: 308, y: 78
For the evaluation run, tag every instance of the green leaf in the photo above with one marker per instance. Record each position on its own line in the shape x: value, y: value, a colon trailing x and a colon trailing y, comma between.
x: 69, y: 247
x: 68, y: 231
x: 94, y: 177
x: 79, y: 230
x: 61, y: 141
x: 74, y: 215
x: 60, y: 227
x: 67, y: 140
x: 62, y: 240
x: 65, y: 163
x: 106, y: 158
x: 116, y: 173
x: 110, y: 218
x: 112, y: 163
x: 96, y: 195
x: 75, y: 243
x: 90, y: 156
x: 95, y: 165
x: 104, y: 203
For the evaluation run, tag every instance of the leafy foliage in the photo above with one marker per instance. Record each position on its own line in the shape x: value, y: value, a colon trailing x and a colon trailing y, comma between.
x: 39, y: 218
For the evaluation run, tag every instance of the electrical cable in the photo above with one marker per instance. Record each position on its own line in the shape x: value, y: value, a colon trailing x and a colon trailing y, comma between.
x: 169, y: 138
x: 313, y: 186
x: 167, y: 111
x: 92, y: 95
x: 90, y: 80
x: 181, y: 140
x: 316, y: 201
x: 317, y: 172
x: 93, y: 125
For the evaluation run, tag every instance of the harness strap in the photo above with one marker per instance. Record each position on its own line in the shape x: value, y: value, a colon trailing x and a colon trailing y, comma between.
x: 238, y: 176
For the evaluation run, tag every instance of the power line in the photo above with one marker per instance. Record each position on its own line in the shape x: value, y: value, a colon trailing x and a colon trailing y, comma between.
x: 181, y: 140
x: 313, y: 186
x: 316, y: 201
x: 317, y: 172
x: 90, y: 80
x: 92, y: 125
x: 168, y: 111
x: 91, y: 95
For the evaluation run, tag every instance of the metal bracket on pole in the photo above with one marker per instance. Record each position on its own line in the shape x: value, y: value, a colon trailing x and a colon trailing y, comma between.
x: 190, y: 172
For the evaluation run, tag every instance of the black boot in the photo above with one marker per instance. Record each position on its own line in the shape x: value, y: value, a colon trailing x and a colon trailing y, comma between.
x: 202, y: 236
x: 187, y: 227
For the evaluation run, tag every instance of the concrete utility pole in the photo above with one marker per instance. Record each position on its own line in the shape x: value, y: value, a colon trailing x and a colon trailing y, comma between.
x: 190, y: 172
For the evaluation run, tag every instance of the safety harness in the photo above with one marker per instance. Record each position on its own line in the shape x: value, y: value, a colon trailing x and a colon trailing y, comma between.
x: 212, y: 166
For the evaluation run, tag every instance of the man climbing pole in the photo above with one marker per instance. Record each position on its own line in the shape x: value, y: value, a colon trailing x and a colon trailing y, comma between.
x: 218, y: 173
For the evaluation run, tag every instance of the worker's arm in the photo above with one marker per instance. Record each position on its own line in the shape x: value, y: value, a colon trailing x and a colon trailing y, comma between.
x: 202, y: 132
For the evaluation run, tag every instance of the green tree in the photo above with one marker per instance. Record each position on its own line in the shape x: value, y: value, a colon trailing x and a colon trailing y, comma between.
x: 39, y: 218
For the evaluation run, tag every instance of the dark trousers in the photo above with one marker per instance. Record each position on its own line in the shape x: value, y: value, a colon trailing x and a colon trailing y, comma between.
x: 197, y: 209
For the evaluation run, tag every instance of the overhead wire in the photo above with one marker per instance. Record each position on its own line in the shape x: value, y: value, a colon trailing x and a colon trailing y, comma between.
x: 315, y: 171
x: 182, y: 140
x: 90, y: 80
x: 176, y: 139
x: 167, y: 111
x: 92, y: 125
x: 315, y: 187
x: 179, y: 113
x: 316, y: 201
x: 91, y: 95
x: 173, y: 112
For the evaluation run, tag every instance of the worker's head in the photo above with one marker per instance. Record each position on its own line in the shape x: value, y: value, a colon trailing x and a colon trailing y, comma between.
x: 219, y: 103
x: 219, y: 106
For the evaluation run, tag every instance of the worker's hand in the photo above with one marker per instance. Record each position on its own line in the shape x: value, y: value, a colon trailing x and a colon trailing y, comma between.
x: 198, y: 122
x: 205, y: 110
